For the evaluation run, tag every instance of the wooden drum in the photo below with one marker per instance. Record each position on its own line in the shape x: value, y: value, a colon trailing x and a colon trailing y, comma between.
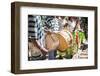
x: 65, y: 40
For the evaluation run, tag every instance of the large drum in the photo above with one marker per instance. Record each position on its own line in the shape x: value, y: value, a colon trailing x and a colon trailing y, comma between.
x: 65, y: 40
x: 51, y: 41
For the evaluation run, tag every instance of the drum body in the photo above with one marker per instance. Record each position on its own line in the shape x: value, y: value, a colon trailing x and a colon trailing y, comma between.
x: 65, y: 40
x: 34, y: 53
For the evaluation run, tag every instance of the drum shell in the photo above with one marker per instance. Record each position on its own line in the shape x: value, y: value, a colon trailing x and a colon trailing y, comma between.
x: 65, y: 40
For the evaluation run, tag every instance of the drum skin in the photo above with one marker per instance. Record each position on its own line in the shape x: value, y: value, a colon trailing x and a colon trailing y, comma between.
x: 65, y: 40
x: 51, y: 41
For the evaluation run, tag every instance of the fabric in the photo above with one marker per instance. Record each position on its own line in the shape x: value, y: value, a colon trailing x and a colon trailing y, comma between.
x: 35, y: 30
x: 71, y: 25
x: 52, y: 55
x: 81, y: 36
x: 52, y: 23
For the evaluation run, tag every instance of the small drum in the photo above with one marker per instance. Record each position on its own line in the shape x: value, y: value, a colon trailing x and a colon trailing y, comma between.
x: 34, y: 53
x: 65, y: 40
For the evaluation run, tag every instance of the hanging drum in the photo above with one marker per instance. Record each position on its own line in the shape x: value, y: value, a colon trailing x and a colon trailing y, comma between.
x: 65, y: 40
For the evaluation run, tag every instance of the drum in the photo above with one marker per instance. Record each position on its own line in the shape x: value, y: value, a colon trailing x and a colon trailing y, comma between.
x: 34, y: 52
x: 51, y: 41
x: 65, y: 40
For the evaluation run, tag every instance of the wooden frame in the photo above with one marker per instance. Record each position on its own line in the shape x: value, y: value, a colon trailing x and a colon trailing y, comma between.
x: 15, y: 37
